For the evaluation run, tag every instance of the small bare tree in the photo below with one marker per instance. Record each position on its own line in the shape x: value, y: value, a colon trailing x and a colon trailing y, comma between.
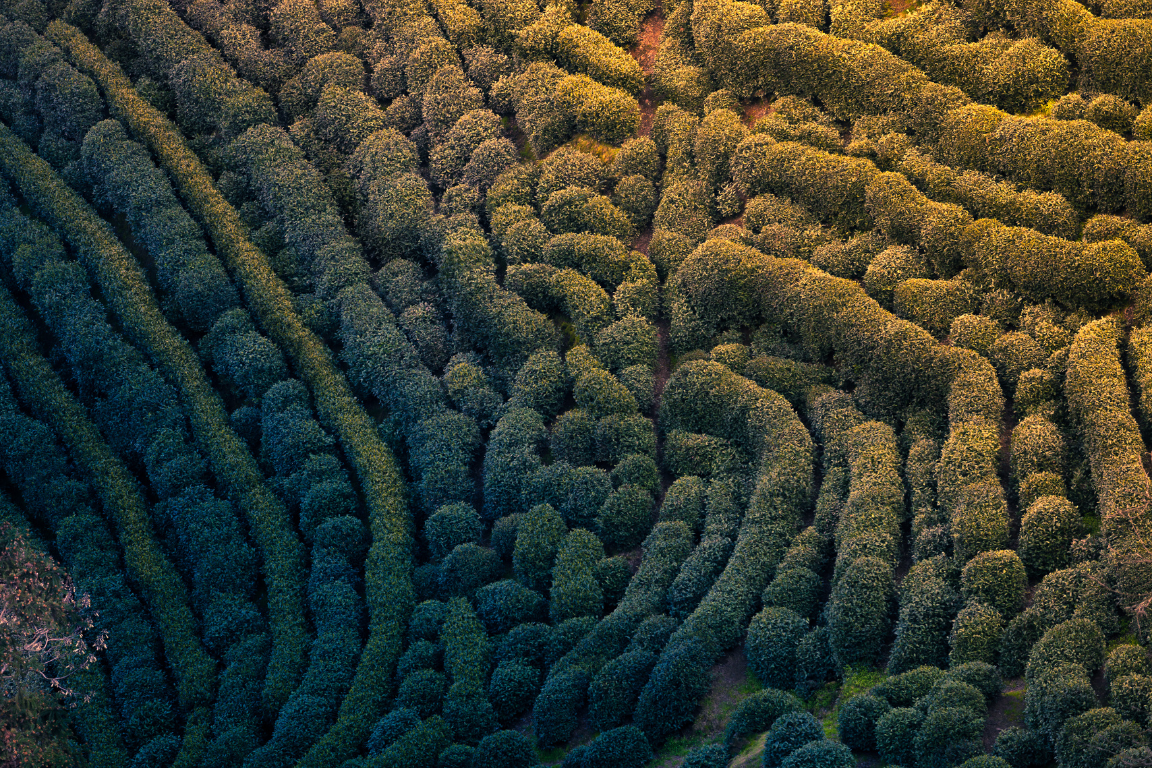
x: 46, y: 637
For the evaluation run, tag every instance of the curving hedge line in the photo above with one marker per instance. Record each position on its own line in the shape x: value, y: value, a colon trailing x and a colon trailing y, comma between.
x: 119, y: 493
x: 128, y: 294
x: 705, y: 396
x: 1098, y: 402
x: 389, y: 559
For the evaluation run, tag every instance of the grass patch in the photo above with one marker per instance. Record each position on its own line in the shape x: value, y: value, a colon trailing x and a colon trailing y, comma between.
x: 858, y: 678
x: 1014, y: 707
x: 679, y: 746
x: 552, y: 755
x: 605, y: 153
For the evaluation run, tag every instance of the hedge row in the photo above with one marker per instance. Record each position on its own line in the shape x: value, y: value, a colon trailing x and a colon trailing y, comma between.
x: 987, y: 197
x: 1092, y: 167
x: 746, y: 54
x: 970, y: 494
x: 1016, y: 75
x: 708, y: 397
x: 1109, y: 51
x: 1098, y: 401
x: 388, y: 561
x: 50, y: 492
x: 867, y: 536
x: 130, y: 297
x: 166, y: 596
x: 894, y: 362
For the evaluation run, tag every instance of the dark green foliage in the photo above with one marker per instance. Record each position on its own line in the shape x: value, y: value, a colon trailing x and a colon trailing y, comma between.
x: 450, y: 526
x: 422, y: 691
x: 684, y: 501
x: 788, y: 733
x: 624, y: 747
x: 1126, y: 660
x: 858, y: 617
x: 506, y: 604
x: 950, y: 693
x: 1046, y: 534
x: 896, y: 735
x: 906, y: 688
x: 771, y: 645
x: 980, y: 675
x: 1077, y: 641
x: 797, y: 589
x: 1129, y: 696
x: 1022, y: 748
x: 985, y: 761
x: 625, y: 518
x: 554, y: 715
x: 467, y: 568
x: 858, y: 719
x: 948, y: 737
x: 1056, y: 693
x: 575, y: 589
x: 820, y: 754
x: 927, y: 606
x: 709, y: 756
x: 421, y: 654
x: 679, y: 680
x: 512, y: 688
x: 504, y: 749
x: 758, y: 712
x: 538, y: 535
x: 528, y: 643
x: 975, y: 634
x: 613, y: 691
x: 391, y: 727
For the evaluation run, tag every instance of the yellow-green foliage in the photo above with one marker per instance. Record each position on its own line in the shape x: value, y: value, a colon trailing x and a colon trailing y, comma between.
x: 1098, y: 400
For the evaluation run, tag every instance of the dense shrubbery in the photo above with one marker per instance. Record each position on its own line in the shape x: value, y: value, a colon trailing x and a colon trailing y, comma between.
x: 489, y: 309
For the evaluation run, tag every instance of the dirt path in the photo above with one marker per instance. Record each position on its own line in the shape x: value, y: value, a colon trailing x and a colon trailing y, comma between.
x: 731, y: 683
x: 651, y: 30
x: 1006, y: 711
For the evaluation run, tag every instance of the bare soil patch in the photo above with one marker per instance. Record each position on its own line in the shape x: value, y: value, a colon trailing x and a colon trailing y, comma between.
x: 731, y: 683
x: 651, y: 30
x: 1006, y: 711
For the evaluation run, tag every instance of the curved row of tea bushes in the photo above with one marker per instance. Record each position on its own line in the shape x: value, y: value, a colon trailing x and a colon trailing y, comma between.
x: 167, y: 599
x: 1109, y: 51
x: 208, y: 94
x: 388, y: 563
x: 987, y: 197
x: 867, y: 536
x: 895, y: 363
x: 1088, y: 165
x: 708, y: 397
x: 52, y: 495
x: 1098, y: 402
x: 1092, y: 167
x: 130, y: 298
x: 139, y: 411
x: 970, y: 495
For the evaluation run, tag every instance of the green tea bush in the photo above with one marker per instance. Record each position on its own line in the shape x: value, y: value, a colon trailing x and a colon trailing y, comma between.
x: 948, y: 737
x: 896, y: 736
x: 788, y: 733
x: 771, y: 645
x: 996, y: 579
x: 1022, y: 748
x: 858, y: 719
x: 820, y: 754
x: 975, y: 634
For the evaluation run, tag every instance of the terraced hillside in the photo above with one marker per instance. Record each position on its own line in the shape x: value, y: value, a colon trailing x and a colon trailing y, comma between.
x: 486, y: 384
